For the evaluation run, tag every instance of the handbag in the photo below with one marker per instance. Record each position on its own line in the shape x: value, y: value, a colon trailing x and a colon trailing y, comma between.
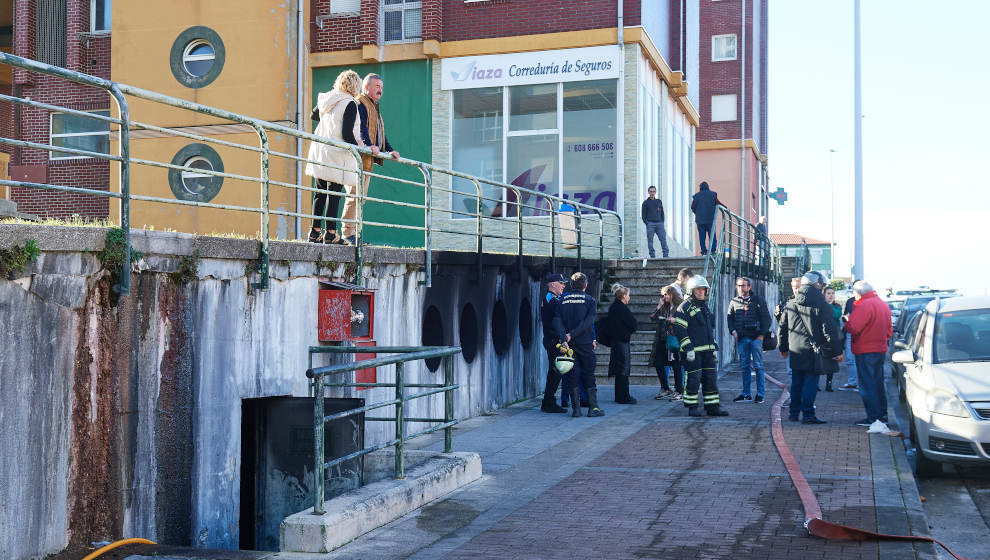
x: 315, y: 116
x: 672, y: 343
x: 770, y: 341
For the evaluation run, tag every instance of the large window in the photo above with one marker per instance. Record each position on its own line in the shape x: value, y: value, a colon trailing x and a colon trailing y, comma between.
x: 80, y: 133
x: 402, y: 20
x: 723, y: 47
x: 559, y: 139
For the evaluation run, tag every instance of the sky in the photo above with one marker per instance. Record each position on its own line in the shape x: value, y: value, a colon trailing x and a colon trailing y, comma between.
x: 926, y: 119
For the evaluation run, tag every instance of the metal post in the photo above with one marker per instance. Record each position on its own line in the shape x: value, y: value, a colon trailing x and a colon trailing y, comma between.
x: 358, y: 253
x: 553, y: 238
x: 857, y: 269
x: 479, y: 234
x: 601, y: 245
x: 428, y: 183
x: 400, y: 431
x: 265, y: 211
x: 124, y: 287
x: 318, y: 461
x: 519, y: 231
x: 448, y: 403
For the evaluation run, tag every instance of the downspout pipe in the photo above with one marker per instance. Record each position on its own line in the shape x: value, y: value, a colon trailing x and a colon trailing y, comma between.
x: 620, y: 112
x: 742, y: 114
x: 300, y: 33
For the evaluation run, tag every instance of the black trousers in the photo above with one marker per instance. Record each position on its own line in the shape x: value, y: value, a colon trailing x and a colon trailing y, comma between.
x: 553, y: 376
x: 660, y: 362
x: 324, y: 207
x: 584, y: 365
x: 618, y: 366
x: 701, y: 372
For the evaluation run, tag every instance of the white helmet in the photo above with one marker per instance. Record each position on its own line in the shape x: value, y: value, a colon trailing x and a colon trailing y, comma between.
x: 814, y: 278
x: 563, y: 364
x: 697, y: 281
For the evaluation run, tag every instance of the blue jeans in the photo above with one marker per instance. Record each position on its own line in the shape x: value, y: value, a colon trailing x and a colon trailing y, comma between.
x: 656, y: 228
x: 869, y: 366
x: 804, y: 389
x: 705, y: 230
x: 752, y: 349
x: 850, y: 361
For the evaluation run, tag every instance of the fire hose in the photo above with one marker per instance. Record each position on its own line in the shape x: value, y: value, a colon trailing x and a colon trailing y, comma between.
x: 812, y: 510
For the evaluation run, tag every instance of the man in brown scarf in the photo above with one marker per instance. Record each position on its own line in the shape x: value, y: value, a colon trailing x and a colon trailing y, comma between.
x: 372, y: 134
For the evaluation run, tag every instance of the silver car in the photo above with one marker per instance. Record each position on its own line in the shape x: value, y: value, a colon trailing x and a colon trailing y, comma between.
x: 947, y: 383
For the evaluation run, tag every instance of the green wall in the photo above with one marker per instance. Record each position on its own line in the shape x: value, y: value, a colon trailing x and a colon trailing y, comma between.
x: 406, y: 110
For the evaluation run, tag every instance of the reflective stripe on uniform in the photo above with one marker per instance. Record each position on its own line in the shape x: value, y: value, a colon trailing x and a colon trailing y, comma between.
x: 704, y: 347
x: 711, y: 398
x: 692, y: 312
x: 681, y: 322
x: 690, y: 399
x: 685, y: 341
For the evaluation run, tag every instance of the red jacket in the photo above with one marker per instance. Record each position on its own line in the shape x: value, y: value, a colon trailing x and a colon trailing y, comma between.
x: 869, y: 324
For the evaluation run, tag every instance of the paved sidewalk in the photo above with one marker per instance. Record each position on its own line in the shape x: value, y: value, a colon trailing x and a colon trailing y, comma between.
x: 647, y: 481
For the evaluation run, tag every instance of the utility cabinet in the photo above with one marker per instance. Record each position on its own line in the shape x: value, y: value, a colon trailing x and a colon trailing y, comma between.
x: 346, y: 315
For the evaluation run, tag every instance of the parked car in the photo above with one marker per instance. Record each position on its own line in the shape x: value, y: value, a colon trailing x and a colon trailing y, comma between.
x: 902, y: 343
x: 947, y: 383
x: 896, y: 305
x: 912, y: 305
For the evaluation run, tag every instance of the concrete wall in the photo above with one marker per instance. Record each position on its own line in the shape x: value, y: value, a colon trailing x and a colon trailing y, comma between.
x: 124, y: 419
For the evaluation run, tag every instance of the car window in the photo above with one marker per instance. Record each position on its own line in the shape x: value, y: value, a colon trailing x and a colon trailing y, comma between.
x: 895, y: 304
x: 918, y: 342
x: 912, y: 327
x: 962, y: 336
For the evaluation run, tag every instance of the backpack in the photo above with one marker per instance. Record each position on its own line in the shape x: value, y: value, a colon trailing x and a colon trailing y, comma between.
x: 602, y: 333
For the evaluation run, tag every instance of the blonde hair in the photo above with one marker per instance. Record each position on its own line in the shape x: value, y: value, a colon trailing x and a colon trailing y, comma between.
x: 619, y: 291
x: 348, y: 81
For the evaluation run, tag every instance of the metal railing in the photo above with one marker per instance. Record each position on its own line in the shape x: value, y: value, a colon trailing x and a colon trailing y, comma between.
x: 527, y: 222
x: 403, y: 354
x: 742, y: 251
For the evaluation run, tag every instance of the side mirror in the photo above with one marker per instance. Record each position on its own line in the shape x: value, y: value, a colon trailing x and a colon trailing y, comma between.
x: 903, y: 357
x: 901, y: 344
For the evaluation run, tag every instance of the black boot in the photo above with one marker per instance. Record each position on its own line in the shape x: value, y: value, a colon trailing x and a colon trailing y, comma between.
x: 694, y: 411
x: 593, y: 409
x: 716, y: 410
x: 550, y: 405
x: 575, y: 401
x: 828, y: 382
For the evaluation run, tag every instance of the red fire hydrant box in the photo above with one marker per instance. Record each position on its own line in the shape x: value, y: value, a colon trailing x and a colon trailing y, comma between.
x: 346, y: 313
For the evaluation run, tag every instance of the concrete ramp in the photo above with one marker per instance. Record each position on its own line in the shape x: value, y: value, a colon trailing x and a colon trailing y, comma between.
x: 429, y: 475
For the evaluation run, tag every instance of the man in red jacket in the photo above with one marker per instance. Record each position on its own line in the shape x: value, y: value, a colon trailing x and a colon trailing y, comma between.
x: 870, y: 328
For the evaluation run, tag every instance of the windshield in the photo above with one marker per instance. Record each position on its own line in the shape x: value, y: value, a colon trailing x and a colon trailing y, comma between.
x: 962, y: 336
x: 895, y: 304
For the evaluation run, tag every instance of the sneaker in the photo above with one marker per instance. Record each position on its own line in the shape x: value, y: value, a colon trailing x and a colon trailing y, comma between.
x: 663, y: 394
x: 813, y: 420
x: 758, y: 399
x: 676, y: 397
x: 849, y: 387
x: 594, y: 412
x: 864, y: 422
x: 743, y: 398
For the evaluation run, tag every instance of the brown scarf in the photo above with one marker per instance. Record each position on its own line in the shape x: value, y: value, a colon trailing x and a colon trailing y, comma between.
x: 376, y: 130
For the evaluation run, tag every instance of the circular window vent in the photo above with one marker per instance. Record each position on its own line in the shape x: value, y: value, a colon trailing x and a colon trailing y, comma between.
x: 432, y: 334
x: 500, y: 328
x: 468, y: 332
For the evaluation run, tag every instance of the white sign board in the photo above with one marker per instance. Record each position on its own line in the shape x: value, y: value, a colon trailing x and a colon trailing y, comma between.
x: 540, y: 67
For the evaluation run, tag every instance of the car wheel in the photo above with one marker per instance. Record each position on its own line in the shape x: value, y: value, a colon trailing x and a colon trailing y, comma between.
x: 923, y: 466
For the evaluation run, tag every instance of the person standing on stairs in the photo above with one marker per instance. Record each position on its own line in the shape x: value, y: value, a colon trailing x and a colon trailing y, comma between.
x: 666, y: 348
x: 651, y: 213
x: 695, y: 327
x: 575, y: 323
x: 621, y: 325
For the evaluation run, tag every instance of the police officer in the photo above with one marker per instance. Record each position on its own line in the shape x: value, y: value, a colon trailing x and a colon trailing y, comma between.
x: 575, y: 322
x: 694, y: 326
x: 555, y: 287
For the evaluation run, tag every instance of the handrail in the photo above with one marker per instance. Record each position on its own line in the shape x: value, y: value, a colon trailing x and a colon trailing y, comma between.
x: 402, y: 355
x: 742, y: 250
x: 521, y: 232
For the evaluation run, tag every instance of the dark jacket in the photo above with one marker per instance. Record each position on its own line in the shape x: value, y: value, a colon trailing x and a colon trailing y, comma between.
x: 808, y: 308
x: 694, y: 326
x: 703, y: 205
x: 749, y: 317
x: 621, y: 321
x: 652, y: 211
x: 576, y: 316
x: 547, y: 310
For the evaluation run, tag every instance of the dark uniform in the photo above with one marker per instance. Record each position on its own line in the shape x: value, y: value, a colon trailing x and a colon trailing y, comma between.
x: 576, y: 317
x: 550, y: 340
x: 694, y: 326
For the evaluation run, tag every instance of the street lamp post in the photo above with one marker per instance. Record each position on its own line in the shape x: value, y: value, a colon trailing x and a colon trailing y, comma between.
x: 831, y: 181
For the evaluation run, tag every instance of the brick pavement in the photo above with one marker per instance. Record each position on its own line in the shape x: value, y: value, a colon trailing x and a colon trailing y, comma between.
x: 646, y: 481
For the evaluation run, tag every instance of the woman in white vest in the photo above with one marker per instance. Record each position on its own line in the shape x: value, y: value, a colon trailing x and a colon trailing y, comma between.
x: 334, y: 167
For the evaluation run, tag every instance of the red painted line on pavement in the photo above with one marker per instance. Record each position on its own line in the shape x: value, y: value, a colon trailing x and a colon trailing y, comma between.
x: 812, y: 510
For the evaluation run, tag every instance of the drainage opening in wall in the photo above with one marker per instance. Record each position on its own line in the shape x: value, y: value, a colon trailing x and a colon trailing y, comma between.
x: 525, y: 323
x: 432, y: 333
x: 468, y: 333
x: 500, y: 328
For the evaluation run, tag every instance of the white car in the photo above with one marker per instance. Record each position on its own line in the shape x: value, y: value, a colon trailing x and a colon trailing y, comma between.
x: 947, y: 383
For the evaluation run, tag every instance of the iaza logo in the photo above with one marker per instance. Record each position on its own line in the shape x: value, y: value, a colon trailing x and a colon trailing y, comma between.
x: 473, y: 73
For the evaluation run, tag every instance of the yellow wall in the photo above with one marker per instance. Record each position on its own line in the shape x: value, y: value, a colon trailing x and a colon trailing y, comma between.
x: 258, y: 80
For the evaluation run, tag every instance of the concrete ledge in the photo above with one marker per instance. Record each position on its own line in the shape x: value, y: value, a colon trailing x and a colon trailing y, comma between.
x: 355, y: 513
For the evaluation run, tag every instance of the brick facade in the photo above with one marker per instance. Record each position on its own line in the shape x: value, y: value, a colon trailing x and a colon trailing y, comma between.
x: 453, y: 20
x: 85, y: 52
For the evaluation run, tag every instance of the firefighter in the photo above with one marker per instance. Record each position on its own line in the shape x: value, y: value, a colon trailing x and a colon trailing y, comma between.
x: 575, y: 322
x: 694, y: 326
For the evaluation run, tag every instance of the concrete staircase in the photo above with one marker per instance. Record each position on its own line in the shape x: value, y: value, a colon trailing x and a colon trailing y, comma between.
x: 644, y: 284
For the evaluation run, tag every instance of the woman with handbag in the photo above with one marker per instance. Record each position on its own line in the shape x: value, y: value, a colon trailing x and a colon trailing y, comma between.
x: 621, y: 325
x: 334, y: 167
x: 666, y: 349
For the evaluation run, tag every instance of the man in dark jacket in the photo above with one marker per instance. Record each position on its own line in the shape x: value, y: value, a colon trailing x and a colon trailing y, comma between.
x: 807, y: 329
x: 704, y: 205
x: 652, y: 214
x: 575, y: 323
x: 694, y: 326
x: 749, y: 321
x: 555, y: 287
